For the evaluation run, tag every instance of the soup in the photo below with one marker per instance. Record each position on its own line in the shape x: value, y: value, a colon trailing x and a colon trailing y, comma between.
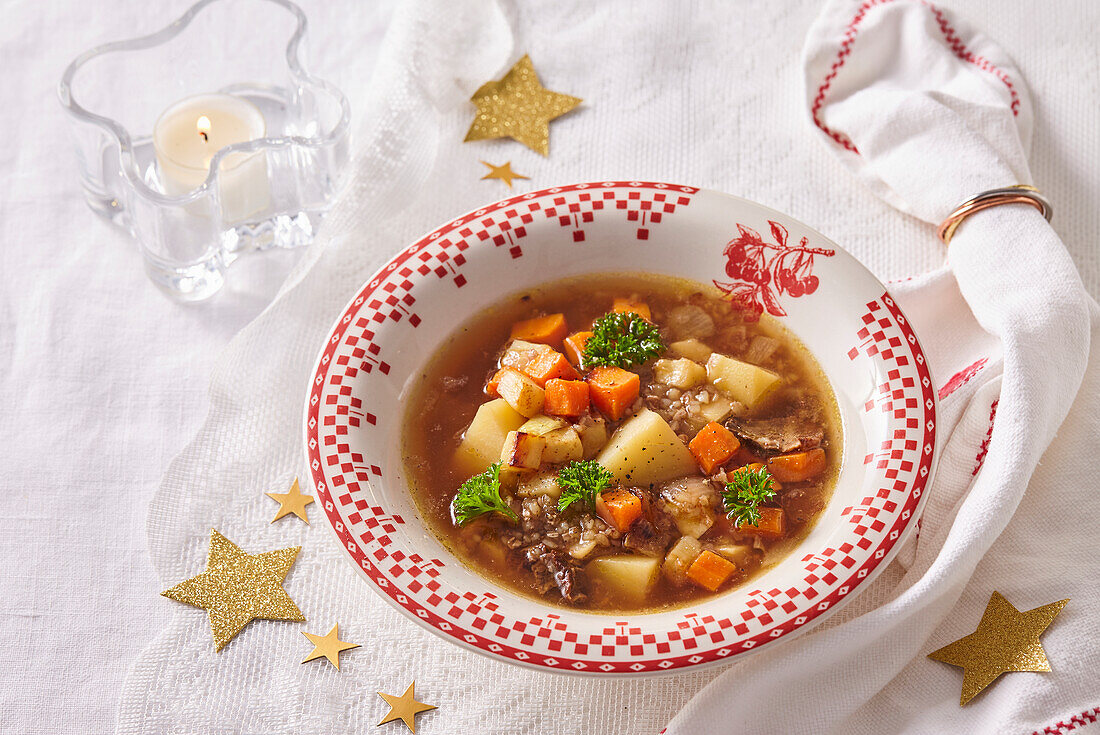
x: 621, y: 442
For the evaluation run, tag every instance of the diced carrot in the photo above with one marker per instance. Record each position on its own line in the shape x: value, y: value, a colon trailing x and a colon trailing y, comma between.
x: 713, y: 446
x: 798, y: 467
x: 574, y: 347
x: 613, y: 390
x: 548, y: 330
x: 620, y: 508
x: 629, y: 306
x: 710, y: 570
x: 744, y: 456
x: 772, y: 524
x: 565, y: 398
x: 550, y: 364
x: 760, y: 465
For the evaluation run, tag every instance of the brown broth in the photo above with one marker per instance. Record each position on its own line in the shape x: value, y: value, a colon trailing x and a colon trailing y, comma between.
x: 436, y: 417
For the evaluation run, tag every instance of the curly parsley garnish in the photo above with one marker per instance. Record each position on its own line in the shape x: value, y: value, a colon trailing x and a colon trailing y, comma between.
x: 480, y: 495
x: 744, y: 493
x: 582, y: 481
x: 622, y: 339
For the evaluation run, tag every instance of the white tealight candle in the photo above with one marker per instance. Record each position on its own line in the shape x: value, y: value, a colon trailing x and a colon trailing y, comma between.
x: 188, y: 135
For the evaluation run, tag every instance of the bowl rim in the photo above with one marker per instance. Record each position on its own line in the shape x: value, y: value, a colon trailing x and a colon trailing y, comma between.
x: 335, y: 332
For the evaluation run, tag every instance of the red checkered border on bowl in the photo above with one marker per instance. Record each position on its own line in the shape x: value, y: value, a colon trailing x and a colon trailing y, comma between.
x: 901, y: 464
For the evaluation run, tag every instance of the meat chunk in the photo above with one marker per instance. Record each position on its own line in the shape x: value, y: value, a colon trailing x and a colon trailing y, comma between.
x: 554, y: 568
x: 798, y: 431
x: 646, y: 538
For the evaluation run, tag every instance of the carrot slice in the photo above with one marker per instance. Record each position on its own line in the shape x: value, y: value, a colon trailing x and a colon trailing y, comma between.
x: 772, y: 524
x: 574, y: 346
x: 548, y: 330
x: 613, y: 390
x: 630, y: 306
x: 798, y: 467
x: 548, y: 365
x: 620, y: 508
x: 709, y: 570
x: 565, y: 398
x: 713, y: 446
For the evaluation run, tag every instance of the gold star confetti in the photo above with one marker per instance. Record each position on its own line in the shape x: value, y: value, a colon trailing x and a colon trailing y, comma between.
x: 404, y: 708
x: 328, y: 645
x: 503, y: 172
x: 1006, y: 640
x: 518, y: 107
x: 237, y: 588
x: 291, y: 501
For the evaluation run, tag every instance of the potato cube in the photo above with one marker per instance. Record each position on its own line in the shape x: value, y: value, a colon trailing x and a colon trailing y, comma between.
x: 543, y: 482
x: 717, y: 410
x: 742, y: 382
x: 630, y: 577
x: 562, y: 445
x: 482, y: 441
x: 521, y: 353
x: 679, y: 558
x: 742, y: 555
x: 692, y: 349
x: 581, y: 550
x: 681, y: 373
x: 693, y: 521
x: 542, y: 425
x: 521, y: 393
x: 645, y: 451
x: 690, y: 502
x: 593, y: 437
x: 522, y: 452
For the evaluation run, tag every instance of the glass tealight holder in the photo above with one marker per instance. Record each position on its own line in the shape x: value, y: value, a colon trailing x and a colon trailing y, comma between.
x: 269, y: 147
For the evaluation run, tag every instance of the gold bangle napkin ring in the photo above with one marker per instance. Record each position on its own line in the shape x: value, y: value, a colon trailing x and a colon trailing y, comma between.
x: 1018, y: 194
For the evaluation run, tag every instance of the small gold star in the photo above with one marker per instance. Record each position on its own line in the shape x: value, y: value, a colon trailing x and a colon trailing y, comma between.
x: 518, y: 107
x: 1006, y: 640
x: 503, y: 172
x: 328, y: 645
x: 237, y: 588
x: 404, y: 708
x: 291, y: 501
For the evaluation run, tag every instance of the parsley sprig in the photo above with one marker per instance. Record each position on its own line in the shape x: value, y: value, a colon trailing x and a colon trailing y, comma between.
x: 622, y: 339
x: 744, y: 493
x: 480, y: 495
x: 582, y: 481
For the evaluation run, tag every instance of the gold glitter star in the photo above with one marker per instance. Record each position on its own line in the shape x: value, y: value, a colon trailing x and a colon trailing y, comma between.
x: 237, y: 588
x: 328, y: 645
x: 1006, y: 640
x: 503, y: 172
x: 518, y: 107
x: 291, y: 501
x: 404, y: 708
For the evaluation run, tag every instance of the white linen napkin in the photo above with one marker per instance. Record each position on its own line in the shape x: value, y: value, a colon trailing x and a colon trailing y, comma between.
x: 660, y: 105
x: 928, y: 112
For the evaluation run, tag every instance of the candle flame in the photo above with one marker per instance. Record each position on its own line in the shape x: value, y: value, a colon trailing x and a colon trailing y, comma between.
x: 203, y: 126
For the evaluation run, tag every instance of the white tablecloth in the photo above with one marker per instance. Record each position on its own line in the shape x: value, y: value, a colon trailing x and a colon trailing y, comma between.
x: 102, y: 379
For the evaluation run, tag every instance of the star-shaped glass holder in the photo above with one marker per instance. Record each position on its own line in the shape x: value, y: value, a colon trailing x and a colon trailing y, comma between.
x: 262, y: 194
